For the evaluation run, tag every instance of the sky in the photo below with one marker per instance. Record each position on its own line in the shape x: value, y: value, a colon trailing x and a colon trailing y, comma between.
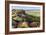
x: 25, y: 8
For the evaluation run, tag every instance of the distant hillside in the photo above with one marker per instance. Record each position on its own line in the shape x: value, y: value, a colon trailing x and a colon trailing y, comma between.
x: 34, y: 13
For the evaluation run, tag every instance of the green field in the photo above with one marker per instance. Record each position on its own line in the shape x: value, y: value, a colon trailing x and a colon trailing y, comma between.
x: 36, y: 13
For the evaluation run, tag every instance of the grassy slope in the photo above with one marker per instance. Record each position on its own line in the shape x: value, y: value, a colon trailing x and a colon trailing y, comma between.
x: 33, y: 18
x: 33, y: 13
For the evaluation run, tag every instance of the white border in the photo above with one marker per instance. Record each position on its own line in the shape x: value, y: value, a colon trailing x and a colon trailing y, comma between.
x: 25, y: 29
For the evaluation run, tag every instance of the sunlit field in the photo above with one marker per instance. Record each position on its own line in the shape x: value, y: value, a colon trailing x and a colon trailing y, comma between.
x: 37, y: 14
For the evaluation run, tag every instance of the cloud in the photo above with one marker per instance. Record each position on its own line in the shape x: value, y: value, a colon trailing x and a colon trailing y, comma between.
x: 25, y: 8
